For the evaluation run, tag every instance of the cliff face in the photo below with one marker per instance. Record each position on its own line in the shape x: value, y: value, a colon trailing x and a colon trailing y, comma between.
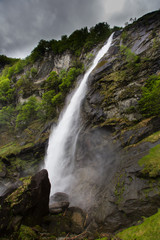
x: 114, y: 183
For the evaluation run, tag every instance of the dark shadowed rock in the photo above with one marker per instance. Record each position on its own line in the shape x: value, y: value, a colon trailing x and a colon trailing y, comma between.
x: 27, y: 204
x: 78, y: 218
x: 73, y: 221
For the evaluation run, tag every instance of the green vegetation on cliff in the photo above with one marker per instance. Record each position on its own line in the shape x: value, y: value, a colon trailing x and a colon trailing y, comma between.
x: 149, y: 229
x: 4, y: 60
x: 55, y: 90
x: 151, y: 163
x: 150, y: 101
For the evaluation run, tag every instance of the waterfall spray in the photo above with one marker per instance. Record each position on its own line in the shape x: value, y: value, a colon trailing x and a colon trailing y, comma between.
x: 59, y: 160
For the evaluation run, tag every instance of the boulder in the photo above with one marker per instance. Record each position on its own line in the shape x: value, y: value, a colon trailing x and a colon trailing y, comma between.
x: 59, y: 202
x: 28, y: 203
x: 59, y: 197
x: 58, y: 207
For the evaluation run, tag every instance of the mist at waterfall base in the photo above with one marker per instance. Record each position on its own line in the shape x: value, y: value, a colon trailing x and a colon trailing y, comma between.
x: 60, y: 157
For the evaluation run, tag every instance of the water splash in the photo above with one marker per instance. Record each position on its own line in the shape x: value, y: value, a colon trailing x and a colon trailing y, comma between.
x: 59, y: 160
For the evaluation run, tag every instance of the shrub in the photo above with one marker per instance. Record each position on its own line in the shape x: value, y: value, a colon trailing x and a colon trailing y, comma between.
x: 27, y: 112
x: 149, y: 103
x: 131, y: 57
x: 6, y: 92
x: 7, y: 116
x: 52, y: 81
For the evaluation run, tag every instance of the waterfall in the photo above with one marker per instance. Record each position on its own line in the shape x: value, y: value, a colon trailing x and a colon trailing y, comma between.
x: 59, y: 160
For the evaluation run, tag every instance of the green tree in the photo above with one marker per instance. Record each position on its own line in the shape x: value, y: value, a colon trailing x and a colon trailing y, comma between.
x: 27, y: 112
x: 8, y: 116
x: 6, y: 92
x: 52, y: 81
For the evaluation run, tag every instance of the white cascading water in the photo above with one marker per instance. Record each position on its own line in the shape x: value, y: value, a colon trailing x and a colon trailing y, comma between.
x: 59, y: 160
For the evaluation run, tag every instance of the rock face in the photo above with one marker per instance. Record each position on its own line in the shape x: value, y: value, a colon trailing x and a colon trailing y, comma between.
x: 27, y: 204
x: 110, y: 182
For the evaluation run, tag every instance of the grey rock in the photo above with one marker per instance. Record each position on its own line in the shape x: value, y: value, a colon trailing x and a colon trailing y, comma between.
x: 59, y: 197
x: 57, y: 207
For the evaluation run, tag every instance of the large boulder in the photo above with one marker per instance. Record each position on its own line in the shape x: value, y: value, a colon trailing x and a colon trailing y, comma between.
x: 27, y: 204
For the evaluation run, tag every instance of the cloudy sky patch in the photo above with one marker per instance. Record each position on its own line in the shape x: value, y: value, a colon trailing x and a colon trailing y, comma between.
x: 23, y: 23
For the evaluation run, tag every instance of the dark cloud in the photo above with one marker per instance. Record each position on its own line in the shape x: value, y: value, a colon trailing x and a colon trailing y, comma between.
x: 24, y: 22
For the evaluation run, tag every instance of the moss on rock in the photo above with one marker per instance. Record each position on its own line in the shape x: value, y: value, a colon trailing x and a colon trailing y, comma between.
x: 15, y: 197
x: 27, y: 233
x: 151, y: 162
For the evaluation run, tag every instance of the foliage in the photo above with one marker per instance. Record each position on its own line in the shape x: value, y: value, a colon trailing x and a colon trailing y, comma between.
x: 78, y: 40
x: 149, y: 103
x: 52, y: 81
x: 33, y: 71
x: 56, y: 88
x: 39, y: 51
x: 27, y: 233
x: 47, y: 109
x: 150, y: 162
x: 7, y: 116
x: 27, y: 112
x: 131, y: 57
x: 10, y: 71
x: 149, y: 229
x: 68, y: 79
x: 6, y: 92
x: 4, y: 60
x: 124, y: 36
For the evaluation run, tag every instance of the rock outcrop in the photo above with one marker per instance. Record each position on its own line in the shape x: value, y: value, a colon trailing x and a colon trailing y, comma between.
x: 26, y: 204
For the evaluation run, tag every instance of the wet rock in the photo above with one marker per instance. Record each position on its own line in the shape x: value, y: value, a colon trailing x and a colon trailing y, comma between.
x: 54, y: 210
x: 27, y: 203
x: 58, y: 207
x: 59, y: 197
x: 59, y: 202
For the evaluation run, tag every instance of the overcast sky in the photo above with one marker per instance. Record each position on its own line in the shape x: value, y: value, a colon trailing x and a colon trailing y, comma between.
x: 23, y: 23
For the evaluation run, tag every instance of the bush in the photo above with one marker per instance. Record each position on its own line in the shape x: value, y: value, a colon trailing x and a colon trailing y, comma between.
x: 131, y: 57
x: 52, y: 82
x: 7, y: 116
x: 27, y: 112
x: 7, y: 61
x: 6, y: 92
x: 149, y: 103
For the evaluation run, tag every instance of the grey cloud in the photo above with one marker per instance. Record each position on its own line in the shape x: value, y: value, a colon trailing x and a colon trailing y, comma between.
x: 23, y: 23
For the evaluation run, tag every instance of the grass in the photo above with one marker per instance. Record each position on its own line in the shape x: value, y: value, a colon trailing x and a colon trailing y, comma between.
x: 153, y: 138
x: 151, y: 162
x: 148, y: 230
